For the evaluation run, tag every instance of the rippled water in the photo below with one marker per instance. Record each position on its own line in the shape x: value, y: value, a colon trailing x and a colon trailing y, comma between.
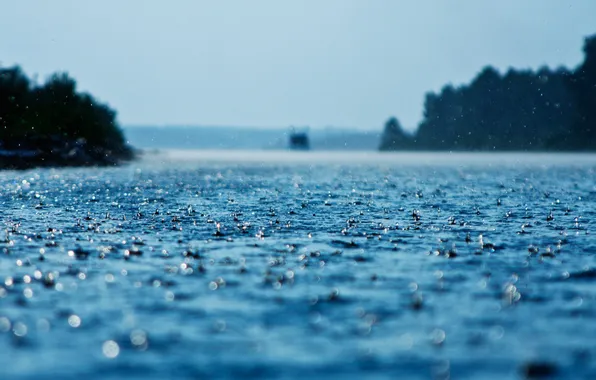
x: 288, y: 265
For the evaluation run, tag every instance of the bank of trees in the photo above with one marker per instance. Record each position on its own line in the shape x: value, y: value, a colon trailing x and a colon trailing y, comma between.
x: 518, y: 110
x: 55, y: 124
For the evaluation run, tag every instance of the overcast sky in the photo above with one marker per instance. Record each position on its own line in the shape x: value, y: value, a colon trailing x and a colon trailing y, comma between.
x: 275, y: 63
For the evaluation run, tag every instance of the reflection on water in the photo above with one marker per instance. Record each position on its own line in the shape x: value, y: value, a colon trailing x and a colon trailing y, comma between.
x: 292, y: 264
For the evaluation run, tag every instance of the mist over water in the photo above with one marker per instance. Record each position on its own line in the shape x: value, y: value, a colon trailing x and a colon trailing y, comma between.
x: 292, y: 264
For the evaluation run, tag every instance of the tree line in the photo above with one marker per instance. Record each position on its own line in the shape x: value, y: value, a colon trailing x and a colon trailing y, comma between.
x: 519, y: 110
x: 54, y: 124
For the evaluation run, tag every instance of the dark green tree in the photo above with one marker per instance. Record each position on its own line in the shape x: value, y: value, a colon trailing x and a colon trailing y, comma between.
x: 394, y: 137
x: 14, y: 102
x: 583, y: 86
x: 63, y: 125
x: 521, y: 110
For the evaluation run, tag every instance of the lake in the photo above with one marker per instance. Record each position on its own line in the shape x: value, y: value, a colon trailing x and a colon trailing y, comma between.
x: 272, y: 264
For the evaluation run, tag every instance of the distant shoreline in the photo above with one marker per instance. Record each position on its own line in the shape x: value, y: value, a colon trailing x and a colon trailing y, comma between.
x: 24, y: 160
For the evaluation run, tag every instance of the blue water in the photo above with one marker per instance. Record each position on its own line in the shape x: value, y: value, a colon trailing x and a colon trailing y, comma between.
x: 293, y: 265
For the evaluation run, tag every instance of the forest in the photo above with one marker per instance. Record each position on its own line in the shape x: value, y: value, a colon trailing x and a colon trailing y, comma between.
x: 52, y: 124
x: 520, y: 110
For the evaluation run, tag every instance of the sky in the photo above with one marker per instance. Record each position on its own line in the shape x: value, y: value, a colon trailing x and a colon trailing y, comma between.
x: 272, y: 63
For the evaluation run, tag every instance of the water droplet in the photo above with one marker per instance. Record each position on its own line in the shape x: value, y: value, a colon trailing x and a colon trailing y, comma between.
x: 4, y: 324
x: 110, y: 349
x: 20, y: 329
x: 74, y: 321
x: 438, y: 336
x: 138, y: 338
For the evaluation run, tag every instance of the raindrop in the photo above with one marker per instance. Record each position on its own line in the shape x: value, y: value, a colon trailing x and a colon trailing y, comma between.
x: 19, y: 329
x: 74, y: 321
x: 138, y: 338
x: 110, y: 349
x: 4, y: 324
x: 438, y: 336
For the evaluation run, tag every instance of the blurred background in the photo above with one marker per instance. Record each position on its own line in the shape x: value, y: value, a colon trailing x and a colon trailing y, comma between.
x: 198, y: 74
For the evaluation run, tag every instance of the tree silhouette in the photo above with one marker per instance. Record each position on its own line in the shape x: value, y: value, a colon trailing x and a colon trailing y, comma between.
x: 394, y: 136
x: 55, y: 120
x: 520, y: 110
x: 583, y: 84
x: 14, y: 98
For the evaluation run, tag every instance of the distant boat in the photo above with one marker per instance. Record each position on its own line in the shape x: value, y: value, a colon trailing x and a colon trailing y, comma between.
x: 299, y: 141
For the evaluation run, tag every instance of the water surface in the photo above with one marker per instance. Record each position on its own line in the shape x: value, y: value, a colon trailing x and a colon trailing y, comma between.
x: 288, y: 265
